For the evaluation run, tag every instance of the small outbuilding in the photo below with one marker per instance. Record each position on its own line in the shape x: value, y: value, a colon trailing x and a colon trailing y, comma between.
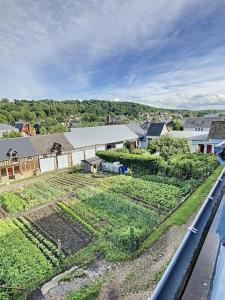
x: 92, y: 164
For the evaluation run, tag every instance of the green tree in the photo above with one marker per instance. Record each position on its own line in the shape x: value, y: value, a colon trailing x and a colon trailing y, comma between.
x: 169, y: 146
x: 11, y: 134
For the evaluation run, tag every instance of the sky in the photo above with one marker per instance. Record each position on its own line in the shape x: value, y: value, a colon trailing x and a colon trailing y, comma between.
x: 162, y: 53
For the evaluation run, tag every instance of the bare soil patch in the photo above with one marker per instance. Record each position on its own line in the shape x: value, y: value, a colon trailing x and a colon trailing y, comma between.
x: 53, y: 224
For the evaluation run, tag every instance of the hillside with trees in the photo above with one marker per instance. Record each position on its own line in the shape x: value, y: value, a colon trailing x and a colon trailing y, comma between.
x: 53, y: 115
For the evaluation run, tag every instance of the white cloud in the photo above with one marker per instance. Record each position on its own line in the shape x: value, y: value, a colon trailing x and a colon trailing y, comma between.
x: 72, y: 37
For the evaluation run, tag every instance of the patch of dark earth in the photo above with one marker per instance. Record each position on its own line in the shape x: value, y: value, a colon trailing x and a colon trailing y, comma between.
x: 54, y: 225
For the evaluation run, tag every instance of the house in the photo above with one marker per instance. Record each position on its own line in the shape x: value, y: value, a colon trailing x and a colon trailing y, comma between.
x: 206, y: 142
x: 54, y: 151
x: 217, y: 133
x: 92, y: 164
x: 18, y: 159
x: 23, y: 127
x: 6, y: 128
x: 88, y: 140
x: 169, y: 123
x: 201, y: 143
x: 155, y: 130
x: 199, y: 124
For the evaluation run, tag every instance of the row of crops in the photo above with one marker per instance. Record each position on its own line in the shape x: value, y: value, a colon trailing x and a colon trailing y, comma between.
x: 43, y: 192
x: 23, y: 265
x: 113, y: 217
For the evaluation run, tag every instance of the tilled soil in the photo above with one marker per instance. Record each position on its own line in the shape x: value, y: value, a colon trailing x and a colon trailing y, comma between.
x: 70, y: 233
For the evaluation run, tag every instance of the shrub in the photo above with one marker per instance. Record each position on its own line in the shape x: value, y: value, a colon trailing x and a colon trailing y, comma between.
x: 169, y: 146
x: 145, y: 163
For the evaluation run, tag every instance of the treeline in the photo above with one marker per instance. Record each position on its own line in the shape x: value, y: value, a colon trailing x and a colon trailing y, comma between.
x: 51, y: 113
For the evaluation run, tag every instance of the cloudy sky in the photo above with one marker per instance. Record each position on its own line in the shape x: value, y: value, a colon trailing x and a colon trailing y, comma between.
x: 157, y: 52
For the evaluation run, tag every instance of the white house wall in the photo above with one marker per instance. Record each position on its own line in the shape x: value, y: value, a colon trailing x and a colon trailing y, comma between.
x: 100, y: 148
x: 63, y: 161
x: 47, y: 164
x: 119, y: 146
x: 89, y: 153
x: 197, y: 129
x: 77, y: 157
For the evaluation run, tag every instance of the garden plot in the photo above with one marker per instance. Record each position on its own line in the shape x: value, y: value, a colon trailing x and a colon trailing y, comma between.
x: 23, y: 265
x: 162, y: 195
x: 71, y: 234
x: 113, y: 217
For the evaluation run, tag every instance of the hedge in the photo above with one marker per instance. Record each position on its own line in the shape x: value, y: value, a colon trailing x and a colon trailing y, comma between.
x: 184, y: 166
x: 145, y: 163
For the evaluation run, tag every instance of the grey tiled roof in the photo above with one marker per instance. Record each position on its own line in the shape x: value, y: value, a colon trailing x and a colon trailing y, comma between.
x: 22, y: 145
x: 203, y: 122
x: 43, y: 143
x: 136, y: 129
x: 217, y: 130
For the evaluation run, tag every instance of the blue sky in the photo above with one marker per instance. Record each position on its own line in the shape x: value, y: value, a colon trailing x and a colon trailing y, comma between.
x: 157, y: 52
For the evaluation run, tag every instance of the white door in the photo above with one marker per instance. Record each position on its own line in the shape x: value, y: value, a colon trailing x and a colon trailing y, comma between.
x: 63, y: 161
x: 90, y: 153
x: 77, y: 157
x: 47, y: 164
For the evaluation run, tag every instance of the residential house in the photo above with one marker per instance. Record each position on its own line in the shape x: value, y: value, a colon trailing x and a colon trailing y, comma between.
x: 156, y: 130
x: 24, y: 128
x: 194, y: 138
x: 199, y: 124
x: 88, y: 140
x: 18, y: 158
x: 54, y: 151
x: 205, y: 142
x: 6, y: 128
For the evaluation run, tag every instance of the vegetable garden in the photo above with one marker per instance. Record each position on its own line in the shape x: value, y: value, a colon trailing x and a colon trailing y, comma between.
x: 49, y: 226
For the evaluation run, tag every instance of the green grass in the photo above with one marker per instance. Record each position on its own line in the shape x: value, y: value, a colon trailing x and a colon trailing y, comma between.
x: 184, y: 212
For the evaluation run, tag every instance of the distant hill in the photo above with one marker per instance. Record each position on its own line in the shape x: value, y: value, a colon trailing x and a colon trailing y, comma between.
x: 51, y: 113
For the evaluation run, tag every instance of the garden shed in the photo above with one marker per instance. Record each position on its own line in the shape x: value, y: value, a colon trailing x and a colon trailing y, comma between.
x: 92, y: 164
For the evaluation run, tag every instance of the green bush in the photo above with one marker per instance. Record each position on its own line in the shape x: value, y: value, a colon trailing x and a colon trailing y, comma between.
x: 169, y: 146
x: 145, y: 163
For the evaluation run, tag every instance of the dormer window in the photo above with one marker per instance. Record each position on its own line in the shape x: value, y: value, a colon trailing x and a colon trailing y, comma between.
x: 57, y: 148
x: 12, y: 154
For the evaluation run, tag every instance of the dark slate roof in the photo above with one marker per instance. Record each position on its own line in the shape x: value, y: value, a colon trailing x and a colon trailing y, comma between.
x: 155, y: 129
x: 44, y: 143
x: 22, y: 145
x: 136, y: 129
x: 217, y: 130
x: 202, y: 122
x: 94, y: 160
